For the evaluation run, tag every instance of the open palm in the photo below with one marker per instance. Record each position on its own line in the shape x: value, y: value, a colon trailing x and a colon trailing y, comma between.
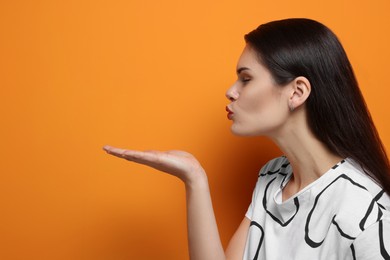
x: 178, y: 163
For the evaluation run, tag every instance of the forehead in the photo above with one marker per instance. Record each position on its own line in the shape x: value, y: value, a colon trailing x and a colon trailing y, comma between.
x: 249, y: 59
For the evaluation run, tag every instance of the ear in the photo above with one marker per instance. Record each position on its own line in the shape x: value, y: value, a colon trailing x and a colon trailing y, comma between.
x: 300, y: 91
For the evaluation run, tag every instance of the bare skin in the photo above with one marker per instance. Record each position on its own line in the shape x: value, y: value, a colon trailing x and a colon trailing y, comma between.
x: 203, y: 236
x: 258, y: 107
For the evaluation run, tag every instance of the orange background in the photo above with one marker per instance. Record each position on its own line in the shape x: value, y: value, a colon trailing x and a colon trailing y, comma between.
x: 76, y: 75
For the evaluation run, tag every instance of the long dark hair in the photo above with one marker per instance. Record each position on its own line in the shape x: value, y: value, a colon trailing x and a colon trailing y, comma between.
x: 337, y: 112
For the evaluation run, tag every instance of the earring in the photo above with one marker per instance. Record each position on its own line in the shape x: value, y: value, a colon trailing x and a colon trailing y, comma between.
x: 291, y: 108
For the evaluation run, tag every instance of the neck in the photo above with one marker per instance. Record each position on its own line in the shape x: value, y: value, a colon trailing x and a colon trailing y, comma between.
x: 309, y: 157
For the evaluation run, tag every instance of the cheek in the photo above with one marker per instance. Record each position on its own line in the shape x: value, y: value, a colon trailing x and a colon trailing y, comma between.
x: 260, y: 113
x: 258, y: 104
x: 251, y: 103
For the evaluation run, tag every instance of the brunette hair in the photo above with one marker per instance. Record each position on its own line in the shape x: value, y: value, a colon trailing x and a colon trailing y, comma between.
x: 337, y: 112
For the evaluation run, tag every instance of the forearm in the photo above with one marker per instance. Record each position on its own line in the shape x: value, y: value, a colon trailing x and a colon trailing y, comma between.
x: 203, y: 237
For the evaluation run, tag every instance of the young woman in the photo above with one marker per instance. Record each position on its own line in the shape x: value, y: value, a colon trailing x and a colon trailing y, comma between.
x: 328, y: 197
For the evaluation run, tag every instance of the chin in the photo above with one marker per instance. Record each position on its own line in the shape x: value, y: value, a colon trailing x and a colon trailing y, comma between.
x: 247, y: 130
x: 242, y: 132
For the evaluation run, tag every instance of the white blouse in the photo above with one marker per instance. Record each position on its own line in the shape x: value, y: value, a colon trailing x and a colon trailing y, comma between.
x: 342, y: 215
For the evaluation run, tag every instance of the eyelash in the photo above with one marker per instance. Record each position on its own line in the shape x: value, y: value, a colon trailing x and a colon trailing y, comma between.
x: 245, y: 80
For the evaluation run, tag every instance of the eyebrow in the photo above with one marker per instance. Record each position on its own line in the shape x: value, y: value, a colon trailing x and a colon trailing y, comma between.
x: 239, y: 70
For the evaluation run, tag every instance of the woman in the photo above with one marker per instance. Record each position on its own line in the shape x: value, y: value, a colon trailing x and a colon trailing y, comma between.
x: 328, y: 197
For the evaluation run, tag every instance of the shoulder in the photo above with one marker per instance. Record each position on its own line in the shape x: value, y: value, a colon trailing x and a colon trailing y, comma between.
x: 361, y: 187
x: 276, y: 166
x: 358, y: 204
x: 374, y: 241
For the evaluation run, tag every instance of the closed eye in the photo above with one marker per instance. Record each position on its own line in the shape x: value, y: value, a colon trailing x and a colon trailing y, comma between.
x: 244, y: 80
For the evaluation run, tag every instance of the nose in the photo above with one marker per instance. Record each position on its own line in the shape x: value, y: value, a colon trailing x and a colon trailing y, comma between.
x: 232, y: 93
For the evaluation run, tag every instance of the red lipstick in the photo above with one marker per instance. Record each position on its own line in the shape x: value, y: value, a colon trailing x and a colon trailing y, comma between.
x: 230, y: 113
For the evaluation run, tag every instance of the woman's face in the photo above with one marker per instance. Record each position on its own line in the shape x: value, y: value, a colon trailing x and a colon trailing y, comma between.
x: 258, y: 106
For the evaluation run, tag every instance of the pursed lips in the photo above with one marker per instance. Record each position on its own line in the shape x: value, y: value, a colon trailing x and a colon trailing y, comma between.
x: 230, y: 113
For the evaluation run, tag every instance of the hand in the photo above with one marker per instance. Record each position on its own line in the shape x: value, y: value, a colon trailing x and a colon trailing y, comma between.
x: 178, y: 163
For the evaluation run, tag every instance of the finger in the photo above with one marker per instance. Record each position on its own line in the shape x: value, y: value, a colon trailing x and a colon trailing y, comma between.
x: 145, y: 157
x: 151, y: 158
x: 123, y: 153
x: 108, y: 148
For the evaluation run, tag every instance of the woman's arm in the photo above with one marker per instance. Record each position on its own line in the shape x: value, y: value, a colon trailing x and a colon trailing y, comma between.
x: 203, y: 236
x: 235, y: 249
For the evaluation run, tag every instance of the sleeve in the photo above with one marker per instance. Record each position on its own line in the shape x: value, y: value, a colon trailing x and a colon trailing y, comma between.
x: 249, y: 212
x: 373, y: 242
